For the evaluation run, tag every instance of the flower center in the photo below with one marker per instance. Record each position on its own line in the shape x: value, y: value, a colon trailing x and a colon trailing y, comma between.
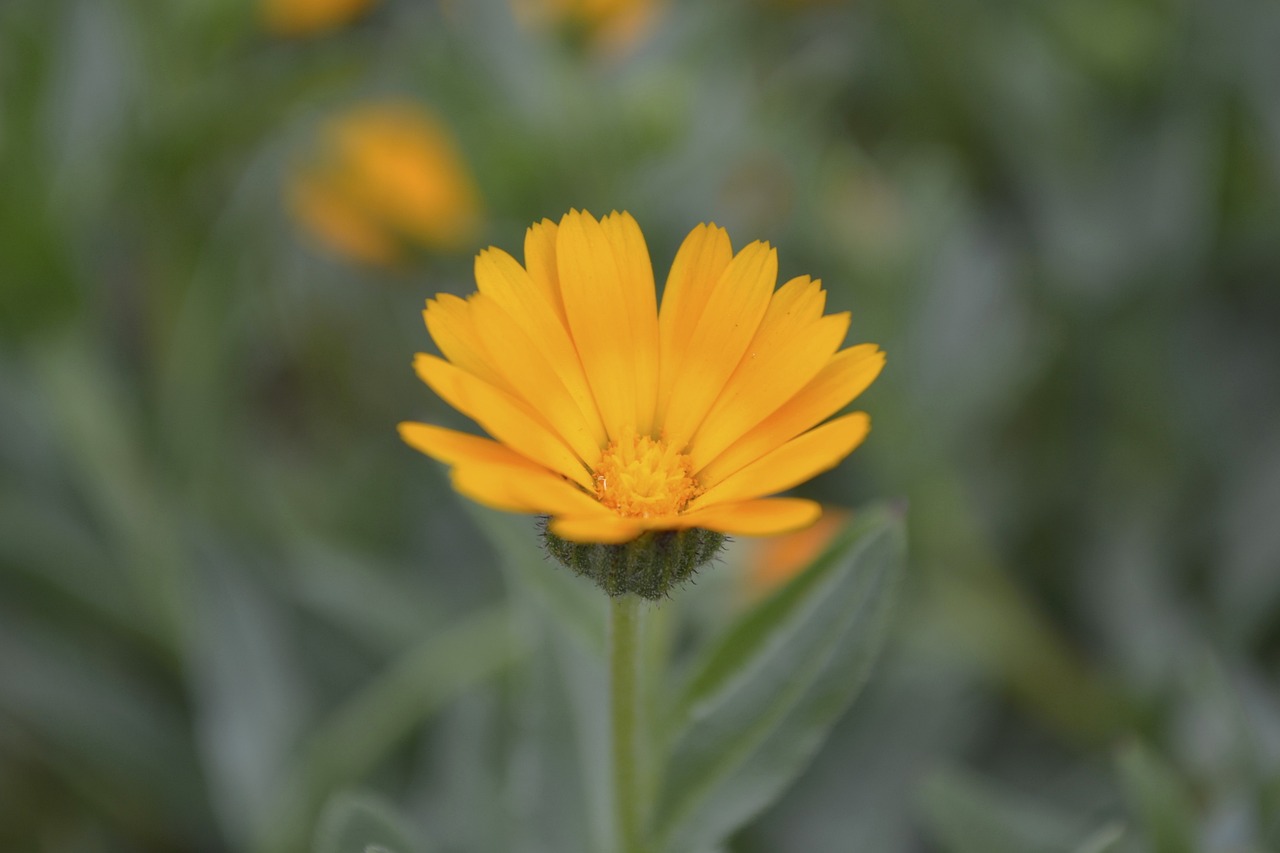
x: 641, y: 476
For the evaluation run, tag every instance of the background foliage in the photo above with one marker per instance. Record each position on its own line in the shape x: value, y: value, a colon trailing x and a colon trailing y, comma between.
x: 227, y: 591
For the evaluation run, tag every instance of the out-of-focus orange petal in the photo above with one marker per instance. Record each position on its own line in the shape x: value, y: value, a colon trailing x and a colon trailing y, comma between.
x: 309, y: 17
x: 774, y: 561
x: 323, y: 212
x: 609, y: 27
x: 383, y: 177
x: 403, y: 166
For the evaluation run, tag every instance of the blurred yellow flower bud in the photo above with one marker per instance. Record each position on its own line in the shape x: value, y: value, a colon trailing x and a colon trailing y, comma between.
x: 612, y: 26
x: 383, y: 178
x: 308, y: 17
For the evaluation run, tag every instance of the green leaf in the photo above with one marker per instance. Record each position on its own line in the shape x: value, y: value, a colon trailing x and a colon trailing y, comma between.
x: 244, y: 672
x: 73, y: 705
x: 372, y: 722
x: 101, y: 441
x: 763, y: 698
x: 362, y: 823
x: 1158, y: 798
x: 968, y: 815
x: 1111, y: 838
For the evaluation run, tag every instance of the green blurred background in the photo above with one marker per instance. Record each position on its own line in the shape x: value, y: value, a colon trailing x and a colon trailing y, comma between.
x: 227, y: 590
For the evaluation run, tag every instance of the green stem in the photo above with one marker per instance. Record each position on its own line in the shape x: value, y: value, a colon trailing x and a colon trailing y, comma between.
x: 624, y: 696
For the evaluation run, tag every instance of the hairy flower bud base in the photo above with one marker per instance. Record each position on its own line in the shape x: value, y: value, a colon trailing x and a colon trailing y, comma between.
x: 651, y: 566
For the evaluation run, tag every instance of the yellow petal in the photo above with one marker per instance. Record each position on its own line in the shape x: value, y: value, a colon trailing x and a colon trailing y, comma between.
x: 508, y: 284
x: 515, y: 356
x: 775, y: 561
x: 728, y: 323
x: 698, y: 265
x: 793, y: 343
x: 456, y: 448
x: 763, y: 517
x: 516, y: 489
x: 506, y: 418
x: 844, y: 377
x: 452, y: 327
x: 540, y: 261
x: 632, y: 256
x: 487, y: 490
x: 598, y: 310
x: 496, y: 475
x: 798, y: 460
x: 610, y: 530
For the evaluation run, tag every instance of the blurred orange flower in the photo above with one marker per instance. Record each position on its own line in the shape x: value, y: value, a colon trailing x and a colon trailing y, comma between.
x: 308, y: 17
x: 773, y: 562
x: 612, y: 26
x: 385, y: 177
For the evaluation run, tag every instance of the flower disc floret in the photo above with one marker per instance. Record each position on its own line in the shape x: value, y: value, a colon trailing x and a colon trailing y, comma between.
x: 641, y: 477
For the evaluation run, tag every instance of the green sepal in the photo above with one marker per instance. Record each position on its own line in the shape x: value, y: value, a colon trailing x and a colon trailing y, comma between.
x: 650, y: 566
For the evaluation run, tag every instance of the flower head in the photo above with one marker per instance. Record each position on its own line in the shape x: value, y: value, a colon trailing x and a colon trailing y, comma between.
x: 386, y: 175
x: 619, y: 419
x: 610, y: 26
x: 309, y: 17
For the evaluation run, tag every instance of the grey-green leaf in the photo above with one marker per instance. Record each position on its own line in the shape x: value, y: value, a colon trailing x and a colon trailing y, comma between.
x: 360, y: 823
x: 1111, y: 838
x: 965, y: 814
x: 762, y: 700
x: 1158, y: 798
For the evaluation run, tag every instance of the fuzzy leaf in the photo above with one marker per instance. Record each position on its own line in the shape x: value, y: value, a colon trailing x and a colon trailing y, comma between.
x: 763, y: 698
x: 362, y: 823
x: 1158, y: 798
x: 966, y: 814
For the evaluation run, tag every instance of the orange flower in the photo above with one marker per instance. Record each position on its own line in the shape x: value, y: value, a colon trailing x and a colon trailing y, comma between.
x: 387, y: 176
x: 616, y: 418
x: 308, y: 17
x: 612, y: 26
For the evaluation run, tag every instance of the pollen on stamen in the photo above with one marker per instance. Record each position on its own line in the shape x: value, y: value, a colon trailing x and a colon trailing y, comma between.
x: 641, y: 477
